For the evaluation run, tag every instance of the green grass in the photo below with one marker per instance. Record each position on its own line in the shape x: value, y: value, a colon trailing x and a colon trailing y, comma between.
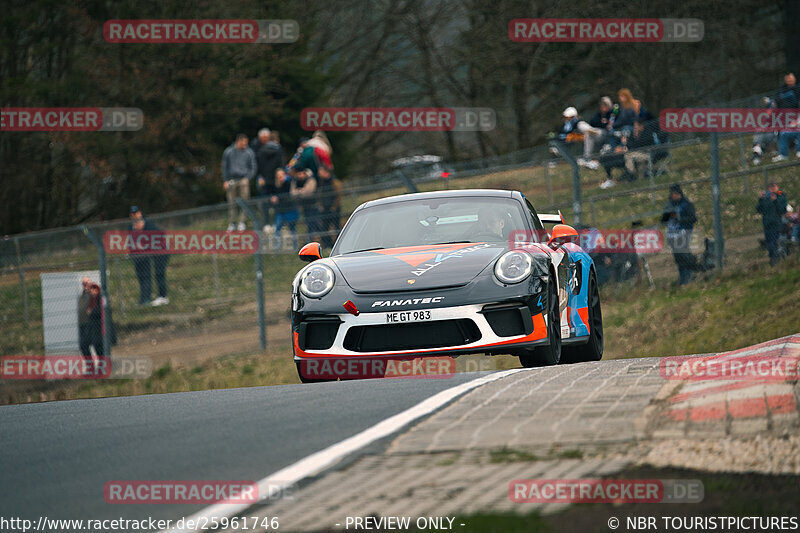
x: 737, y: 309
x: 510, y: 455
x: 222, y: 373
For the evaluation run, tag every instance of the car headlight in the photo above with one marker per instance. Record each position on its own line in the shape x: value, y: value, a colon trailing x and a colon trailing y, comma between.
x: 317, y: 281
x: 513, y: 267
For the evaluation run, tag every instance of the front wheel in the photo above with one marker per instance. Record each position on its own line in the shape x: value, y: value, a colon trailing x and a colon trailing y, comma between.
x: 549, y: 354
x: 592, y: 350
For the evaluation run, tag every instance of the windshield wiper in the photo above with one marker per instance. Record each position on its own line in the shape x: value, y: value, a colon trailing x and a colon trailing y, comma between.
x: 364, y: 250
x: 452, y: 242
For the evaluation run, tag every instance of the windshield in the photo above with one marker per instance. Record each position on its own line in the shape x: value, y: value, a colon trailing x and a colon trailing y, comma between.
x: 431, y: 221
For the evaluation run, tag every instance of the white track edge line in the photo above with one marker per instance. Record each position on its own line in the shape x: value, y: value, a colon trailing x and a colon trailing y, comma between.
x: 319, y: 461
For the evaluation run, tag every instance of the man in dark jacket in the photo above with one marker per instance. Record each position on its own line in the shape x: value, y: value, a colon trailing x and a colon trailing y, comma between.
x: 772, y: 206
x: 679, y: 216
x: 84, y: 329
x: 596, y: 132
x: 269, y: 158
x: 142, y: 262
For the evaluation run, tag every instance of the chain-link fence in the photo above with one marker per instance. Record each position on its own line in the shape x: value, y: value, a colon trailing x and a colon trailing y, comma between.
x: 194, y: 306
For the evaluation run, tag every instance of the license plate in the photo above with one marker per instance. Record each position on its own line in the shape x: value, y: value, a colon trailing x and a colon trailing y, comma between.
x: 408, y: 316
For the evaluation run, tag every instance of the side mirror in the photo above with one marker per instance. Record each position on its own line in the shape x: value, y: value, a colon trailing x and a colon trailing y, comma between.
x: 310, y: 252
x: 562, y: 234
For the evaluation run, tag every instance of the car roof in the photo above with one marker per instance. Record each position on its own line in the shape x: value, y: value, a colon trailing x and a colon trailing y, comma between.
x: 496, y: 193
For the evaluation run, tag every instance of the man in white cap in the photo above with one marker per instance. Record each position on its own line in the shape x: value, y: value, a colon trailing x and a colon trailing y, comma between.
x: 570, y: 128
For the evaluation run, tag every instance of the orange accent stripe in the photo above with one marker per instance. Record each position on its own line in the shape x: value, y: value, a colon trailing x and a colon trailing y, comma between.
x: 429, y: 248
x: 415, y: 259
x: 583, y: 312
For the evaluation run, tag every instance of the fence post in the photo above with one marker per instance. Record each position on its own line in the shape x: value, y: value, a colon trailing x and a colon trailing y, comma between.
x: 216, y: 275
x: 576, y: 179
x: 742, y: 158
x: 21, y: 274
x: 262, y: 321
x: 410, y: 185
x: 101, y: 264
x: 715, y: 197
x: 120, y: 299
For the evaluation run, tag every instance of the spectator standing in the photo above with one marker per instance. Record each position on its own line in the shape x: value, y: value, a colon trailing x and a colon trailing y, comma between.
x: 238, y: 168
x: 144, y: 263
x: 261, y: 139
x: 679, y: 216
x: 772, y: 206
x: 95, y: 312
x: 329, y: 192
x: 90, y: 322
x: 269, y: 158
x: 286, y: 213
x: 84, y: 330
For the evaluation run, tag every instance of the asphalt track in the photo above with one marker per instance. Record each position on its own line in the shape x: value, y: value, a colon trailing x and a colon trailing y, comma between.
x: 56, y: 457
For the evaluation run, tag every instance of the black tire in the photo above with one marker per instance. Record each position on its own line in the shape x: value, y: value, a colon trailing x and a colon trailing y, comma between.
x: 591, y: 350
x: 304, y: 379
x: 549, y: 354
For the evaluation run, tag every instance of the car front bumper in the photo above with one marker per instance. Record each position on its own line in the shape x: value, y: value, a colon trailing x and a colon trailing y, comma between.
x: 497, y: 327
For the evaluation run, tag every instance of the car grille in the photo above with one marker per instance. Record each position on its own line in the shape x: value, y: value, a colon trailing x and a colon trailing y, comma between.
x: 413, y: 336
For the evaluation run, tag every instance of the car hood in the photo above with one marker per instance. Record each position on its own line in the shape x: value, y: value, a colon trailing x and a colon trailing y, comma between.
x: 416, y: 267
